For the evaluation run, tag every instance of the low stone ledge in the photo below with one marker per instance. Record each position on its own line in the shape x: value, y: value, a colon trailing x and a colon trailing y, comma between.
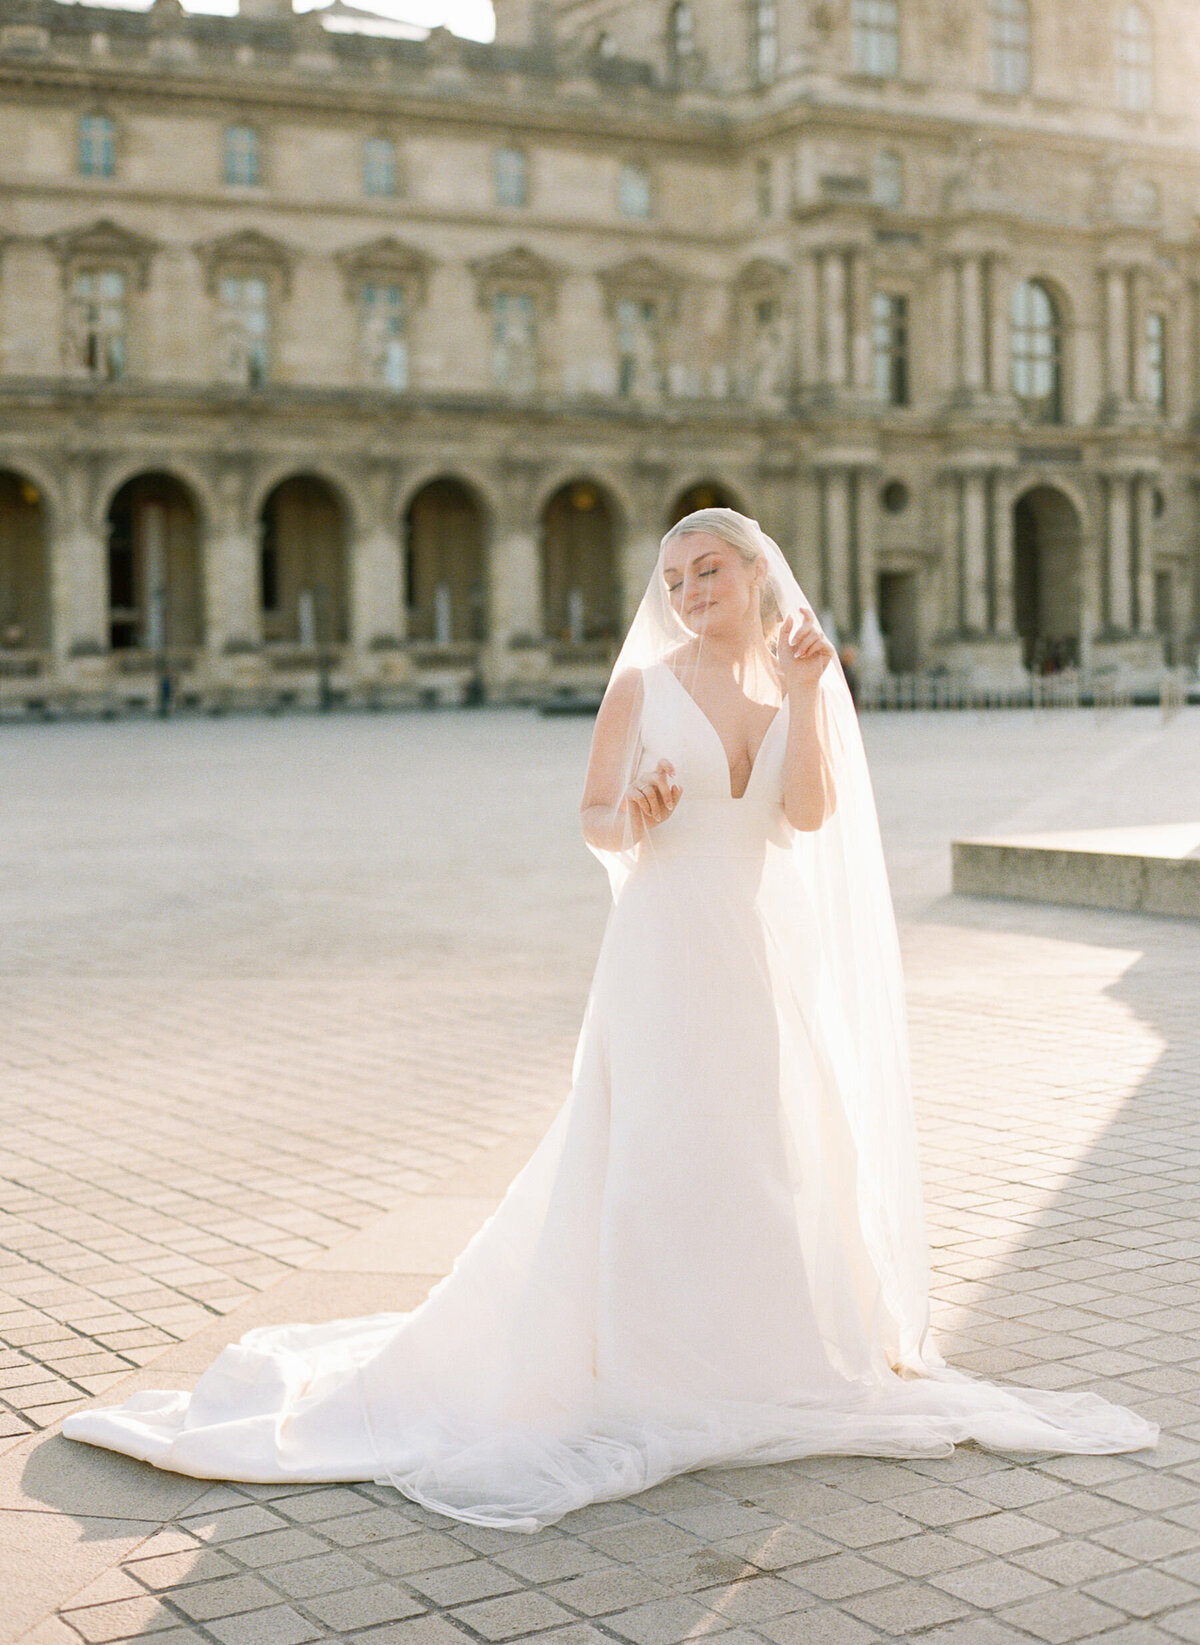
x: 1153, y: 870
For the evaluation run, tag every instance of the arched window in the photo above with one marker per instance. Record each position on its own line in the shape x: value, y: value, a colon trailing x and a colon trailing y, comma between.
x: 1135, y: 59
x: 1009, y: 30
x: 876, y: 36
x: 1036, y: 344
x: 764, y: 40
x: 887, y: 182
x: 681, y: 31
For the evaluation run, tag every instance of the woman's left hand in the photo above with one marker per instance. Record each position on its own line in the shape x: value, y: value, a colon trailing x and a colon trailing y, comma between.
x: 803, y: 651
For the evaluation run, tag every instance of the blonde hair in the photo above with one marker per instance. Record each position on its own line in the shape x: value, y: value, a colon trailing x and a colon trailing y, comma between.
x: 742, y: 534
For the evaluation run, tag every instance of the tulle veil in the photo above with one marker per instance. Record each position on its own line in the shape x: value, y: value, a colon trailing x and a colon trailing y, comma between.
x: 842, y: 871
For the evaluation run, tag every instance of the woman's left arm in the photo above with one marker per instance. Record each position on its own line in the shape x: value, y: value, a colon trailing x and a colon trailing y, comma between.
x: 809, y: 793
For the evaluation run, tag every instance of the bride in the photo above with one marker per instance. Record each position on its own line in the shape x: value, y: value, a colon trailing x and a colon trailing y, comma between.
x: 716, y: 1254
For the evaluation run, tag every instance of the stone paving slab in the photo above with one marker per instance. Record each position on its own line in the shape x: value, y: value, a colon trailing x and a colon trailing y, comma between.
x: 283, y: 1006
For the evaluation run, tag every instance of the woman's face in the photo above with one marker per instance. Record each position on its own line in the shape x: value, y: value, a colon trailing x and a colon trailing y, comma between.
x: 710, y: 586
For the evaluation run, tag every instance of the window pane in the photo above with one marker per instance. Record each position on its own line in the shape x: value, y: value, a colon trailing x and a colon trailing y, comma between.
x: 511, y: 178
x: 514, y: 342
x: 633, y: 191
x: 889, y: 335
x: 1010, y: 45
x: 245, y: 328
x: 682, y: 30
x: 1036, y: 351
x: 241, y: 155
x: 876, y: 36
x: 97, y: 146
x: 1135, y: 59
x: 764, y: 40
x: 99, y: 323
x: 379, y: 166
x: 888, y: 179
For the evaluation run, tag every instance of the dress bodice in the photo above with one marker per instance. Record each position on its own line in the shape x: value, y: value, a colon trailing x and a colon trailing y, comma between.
x: 708, y: 818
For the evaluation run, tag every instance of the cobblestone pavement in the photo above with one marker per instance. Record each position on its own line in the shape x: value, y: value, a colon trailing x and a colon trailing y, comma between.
x: 283, y: 1005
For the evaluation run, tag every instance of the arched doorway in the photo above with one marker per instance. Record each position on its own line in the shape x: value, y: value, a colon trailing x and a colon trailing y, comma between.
x: 704, y: 494
x: 153, y: 566
x: 302, y: 564
x: 1047, y: 563
x: 24, y: 568
x: 444, y: 579
x: 581, y: 586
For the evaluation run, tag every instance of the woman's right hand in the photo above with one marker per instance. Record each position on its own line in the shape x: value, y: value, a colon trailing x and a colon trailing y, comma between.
x: 650, y: 799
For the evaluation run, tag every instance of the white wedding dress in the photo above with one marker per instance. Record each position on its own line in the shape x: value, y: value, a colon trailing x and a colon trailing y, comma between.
x: 688, y: 1271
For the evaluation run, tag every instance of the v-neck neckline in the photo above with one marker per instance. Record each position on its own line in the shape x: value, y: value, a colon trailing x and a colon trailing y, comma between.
x: 733, y: 798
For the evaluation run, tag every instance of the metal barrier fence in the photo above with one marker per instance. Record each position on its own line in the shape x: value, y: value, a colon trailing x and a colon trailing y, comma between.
x: 1068, y: 688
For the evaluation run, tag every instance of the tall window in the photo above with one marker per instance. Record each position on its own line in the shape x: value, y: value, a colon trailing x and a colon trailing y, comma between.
x: 1135, y: 59
x: 514, y: 341
x: 241, y: 155
x: 1156, y: 360
x: 638, y: 374
x: 245, y: 326
x: 511, y: 177
x: 384, y: 335
x: 681, y: 31
x: 379, y: 166
x: 633, y: 191
x: 876, y: 36
x: 97, y: 146
x: 889, y: 335
x: 1009, y: 28
x: 764, y: 193
x: 764, y: 40
x: 99, y: 322
x: 887, y: 181
x: 1036, y: 343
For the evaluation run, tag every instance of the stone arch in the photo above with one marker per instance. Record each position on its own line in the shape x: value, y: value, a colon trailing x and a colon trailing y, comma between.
x: 446, y: 530
x: 25, y: 622
x: 332, y: 476
x: 581, y: 573
x: 304, y: 560
x: 152, y: 526
x: 704, y: 493
x: 192, y: 479
x: 1048, y: 576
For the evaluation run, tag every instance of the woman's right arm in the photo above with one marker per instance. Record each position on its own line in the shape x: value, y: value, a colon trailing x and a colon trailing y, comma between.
x: 616, y: 817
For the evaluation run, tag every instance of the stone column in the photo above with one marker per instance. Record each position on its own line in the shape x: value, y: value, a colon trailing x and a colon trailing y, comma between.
x: 78, y: 555
x: 1118, y: 615
x: 1193, y: 359
x: 232, y: 603
x: 1116, y: 335
x: 1142, y: 513
x: 1003, y: 608
x: 833, y: 315
x: 860, y: 321
x: 1136, y: 298
x: 971, y: 342
x: 836, y: 593
x: 998, y: 299
x: 810, y: 341
x: 872, y: 658
x: 376, y: 564
x: 973, y: 597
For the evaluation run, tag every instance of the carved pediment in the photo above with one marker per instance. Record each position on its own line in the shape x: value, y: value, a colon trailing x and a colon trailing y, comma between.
x: 387, y: 259
x: 762, y: 276
x: 644, y: 278
x: 248, y: 249
x: 103, y: 242
x: 517, y: 269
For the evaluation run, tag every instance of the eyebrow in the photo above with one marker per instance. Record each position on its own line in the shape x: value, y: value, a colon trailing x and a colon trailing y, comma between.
x: 670, y: 570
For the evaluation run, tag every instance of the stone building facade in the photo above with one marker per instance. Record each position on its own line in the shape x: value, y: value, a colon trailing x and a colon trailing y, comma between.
x: 331, y: 350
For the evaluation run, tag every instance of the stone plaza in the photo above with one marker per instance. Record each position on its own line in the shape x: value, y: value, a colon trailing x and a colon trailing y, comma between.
x: 287, y: 1001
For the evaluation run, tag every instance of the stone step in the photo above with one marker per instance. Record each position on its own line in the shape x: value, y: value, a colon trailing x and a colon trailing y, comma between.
x: 1151, y: 870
